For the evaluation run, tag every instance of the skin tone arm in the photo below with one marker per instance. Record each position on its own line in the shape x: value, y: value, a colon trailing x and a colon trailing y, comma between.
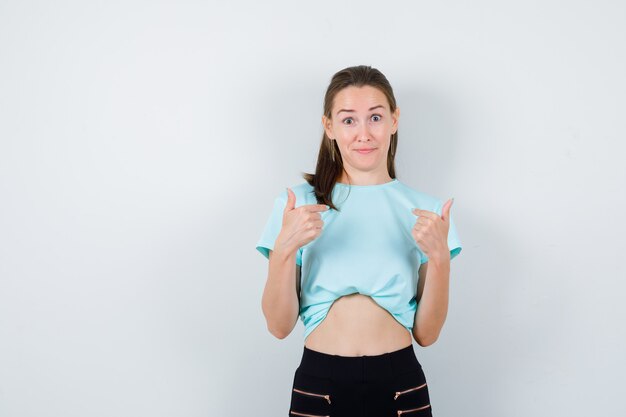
x: 430, y: 233
x: 432, y: 296
x: 280, y: 300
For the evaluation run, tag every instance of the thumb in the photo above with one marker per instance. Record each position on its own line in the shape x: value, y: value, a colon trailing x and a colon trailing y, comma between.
x: 291, y: 200
x: 445, y: 210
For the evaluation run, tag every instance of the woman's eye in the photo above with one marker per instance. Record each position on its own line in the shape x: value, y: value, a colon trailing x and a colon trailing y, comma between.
x: 348, y: 120
x: 376, y: 118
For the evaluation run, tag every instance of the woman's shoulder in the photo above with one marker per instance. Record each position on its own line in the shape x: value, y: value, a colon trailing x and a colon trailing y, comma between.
x: 418, y: 197
x: 303, y: 191
x: 302, y: 187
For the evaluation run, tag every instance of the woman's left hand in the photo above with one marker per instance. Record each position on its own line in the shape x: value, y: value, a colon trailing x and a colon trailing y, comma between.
x: 430, y: 231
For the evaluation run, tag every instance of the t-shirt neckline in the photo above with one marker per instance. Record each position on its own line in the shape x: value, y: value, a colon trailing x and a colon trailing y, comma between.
x: 371, y: 186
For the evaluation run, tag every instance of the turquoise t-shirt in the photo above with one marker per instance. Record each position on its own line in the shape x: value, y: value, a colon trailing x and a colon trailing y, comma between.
x: 365, y: 248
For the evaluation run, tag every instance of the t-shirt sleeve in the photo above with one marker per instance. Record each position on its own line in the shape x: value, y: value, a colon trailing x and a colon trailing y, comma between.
x: 454, y: 243
x: 272, y: 228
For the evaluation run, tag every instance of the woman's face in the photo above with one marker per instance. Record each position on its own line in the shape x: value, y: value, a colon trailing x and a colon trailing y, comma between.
x: 362, y: 125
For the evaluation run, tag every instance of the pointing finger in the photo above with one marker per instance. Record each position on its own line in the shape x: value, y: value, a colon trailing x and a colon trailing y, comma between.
x: 316, y: 207
x: 425, y: 213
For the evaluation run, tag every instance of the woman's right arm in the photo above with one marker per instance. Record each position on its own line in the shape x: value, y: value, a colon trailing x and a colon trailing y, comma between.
x: 280, y: 300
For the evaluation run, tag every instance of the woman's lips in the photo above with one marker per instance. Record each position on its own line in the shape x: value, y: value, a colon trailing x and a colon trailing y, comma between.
x: 365, y: 151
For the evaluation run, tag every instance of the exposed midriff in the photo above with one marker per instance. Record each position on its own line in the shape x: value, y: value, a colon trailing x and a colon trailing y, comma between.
x: 356, y: 325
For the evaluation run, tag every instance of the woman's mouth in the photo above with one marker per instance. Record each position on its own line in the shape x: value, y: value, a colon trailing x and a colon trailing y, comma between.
x: 365, y: 151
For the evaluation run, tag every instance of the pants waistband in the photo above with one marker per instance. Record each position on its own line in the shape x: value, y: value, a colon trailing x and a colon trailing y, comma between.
x: 358, y: 368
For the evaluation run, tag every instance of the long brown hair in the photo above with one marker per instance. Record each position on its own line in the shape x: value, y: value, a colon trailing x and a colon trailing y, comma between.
x: 327, y: 171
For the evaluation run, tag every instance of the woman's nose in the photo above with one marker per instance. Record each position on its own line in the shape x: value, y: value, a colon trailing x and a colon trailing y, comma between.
x: 364, y: 132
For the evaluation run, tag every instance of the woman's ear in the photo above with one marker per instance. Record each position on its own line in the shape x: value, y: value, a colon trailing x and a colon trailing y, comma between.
x: 395, y: 117
x: 328, y: 127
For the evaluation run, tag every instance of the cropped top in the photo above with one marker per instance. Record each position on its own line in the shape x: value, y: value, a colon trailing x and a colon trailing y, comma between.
x: 366, y: 247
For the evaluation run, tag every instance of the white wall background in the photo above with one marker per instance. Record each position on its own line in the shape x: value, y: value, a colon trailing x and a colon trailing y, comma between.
x: 142, y: 145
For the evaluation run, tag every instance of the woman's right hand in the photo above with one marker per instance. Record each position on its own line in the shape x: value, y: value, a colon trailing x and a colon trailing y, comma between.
x: 300, y: 225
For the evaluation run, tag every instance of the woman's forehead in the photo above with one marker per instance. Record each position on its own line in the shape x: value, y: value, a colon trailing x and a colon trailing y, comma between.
x: 359, y: 99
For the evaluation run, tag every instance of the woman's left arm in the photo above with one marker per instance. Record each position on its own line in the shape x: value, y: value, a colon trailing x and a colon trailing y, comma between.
x: 431, y: 234
x: 432, y: 299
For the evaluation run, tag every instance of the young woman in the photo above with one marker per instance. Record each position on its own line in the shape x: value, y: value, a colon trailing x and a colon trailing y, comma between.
x: 373, y: 259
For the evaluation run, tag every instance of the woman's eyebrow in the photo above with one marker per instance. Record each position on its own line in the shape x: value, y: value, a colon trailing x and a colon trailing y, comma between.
x: 370, y: 109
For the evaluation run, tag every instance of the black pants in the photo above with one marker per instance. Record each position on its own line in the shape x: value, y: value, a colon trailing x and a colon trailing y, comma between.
x: 387, y: 385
